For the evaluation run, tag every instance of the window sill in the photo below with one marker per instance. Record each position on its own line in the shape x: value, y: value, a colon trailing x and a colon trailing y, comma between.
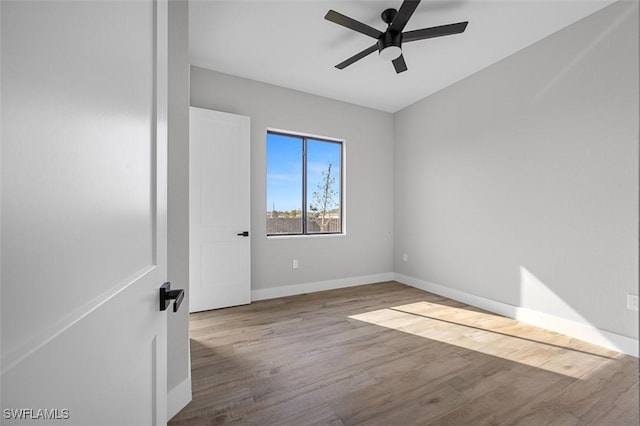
x: 312, y: 236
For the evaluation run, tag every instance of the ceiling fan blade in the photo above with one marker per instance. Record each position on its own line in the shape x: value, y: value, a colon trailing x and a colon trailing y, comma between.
x: 357, y: 57
x: 442, y: 30
x: 404, y: 14
x: 399, y: 64
x: 352, y: 24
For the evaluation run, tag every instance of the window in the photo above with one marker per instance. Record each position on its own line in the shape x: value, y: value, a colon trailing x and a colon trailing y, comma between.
x: 304, y: 185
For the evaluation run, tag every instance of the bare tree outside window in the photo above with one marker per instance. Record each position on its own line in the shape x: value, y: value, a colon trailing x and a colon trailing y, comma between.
x: 325, y: 199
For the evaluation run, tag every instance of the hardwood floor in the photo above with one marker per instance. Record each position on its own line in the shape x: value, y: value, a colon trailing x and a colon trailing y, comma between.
x: 388, y: 354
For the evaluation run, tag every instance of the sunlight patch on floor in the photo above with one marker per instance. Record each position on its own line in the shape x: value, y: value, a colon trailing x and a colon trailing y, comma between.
x: 493, y: 335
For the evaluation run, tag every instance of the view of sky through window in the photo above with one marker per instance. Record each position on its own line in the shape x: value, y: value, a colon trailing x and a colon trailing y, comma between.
x: 284, y: 173
x: 284, y: 170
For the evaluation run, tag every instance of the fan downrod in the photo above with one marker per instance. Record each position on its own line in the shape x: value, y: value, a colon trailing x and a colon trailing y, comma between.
x: 388, y: 15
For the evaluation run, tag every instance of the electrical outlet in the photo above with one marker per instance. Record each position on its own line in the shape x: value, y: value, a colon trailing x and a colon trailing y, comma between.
x: 632, y: 302
x: 295, y: 264
x: 405, y: 257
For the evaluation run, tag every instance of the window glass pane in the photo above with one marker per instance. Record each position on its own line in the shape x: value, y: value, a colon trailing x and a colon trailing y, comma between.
x: 324, y: 183
x: 284, y: 184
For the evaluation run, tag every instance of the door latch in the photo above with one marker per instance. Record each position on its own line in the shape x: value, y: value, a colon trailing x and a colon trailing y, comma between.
x: 244, y: 234
x: 166, y: 295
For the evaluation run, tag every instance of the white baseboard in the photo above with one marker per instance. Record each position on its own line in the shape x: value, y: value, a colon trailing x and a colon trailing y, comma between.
x: 585, y: 332
x: 294, y: 289
x: 178, y: 397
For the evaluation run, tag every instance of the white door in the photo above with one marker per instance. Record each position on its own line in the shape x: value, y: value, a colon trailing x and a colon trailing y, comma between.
x: 84, y: 146
x: 219, y: 210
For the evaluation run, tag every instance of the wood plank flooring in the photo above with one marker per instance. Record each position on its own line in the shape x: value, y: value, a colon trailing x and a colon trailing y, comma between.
x: 388, y: 354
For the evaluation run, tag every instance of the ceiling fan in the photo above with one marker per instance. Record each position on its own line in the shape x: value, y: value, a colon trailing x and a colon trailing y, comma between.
x: 389, y: 42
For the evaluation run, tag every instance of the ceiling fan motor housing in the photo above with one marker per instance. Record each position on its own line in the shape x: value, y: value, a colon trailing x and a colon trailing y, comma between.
x: 390, y: 38
x: 392, y: 42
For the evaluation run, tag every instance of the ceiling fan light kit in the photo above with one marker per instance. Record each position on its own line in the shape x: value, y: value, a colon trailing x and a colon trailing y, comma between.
x: 390, y: 53
x: 389, y: 42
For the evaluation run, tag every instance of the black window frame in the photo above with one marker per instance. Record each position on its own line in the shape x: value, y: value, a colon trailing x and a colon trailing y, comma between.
x: 305, y: 138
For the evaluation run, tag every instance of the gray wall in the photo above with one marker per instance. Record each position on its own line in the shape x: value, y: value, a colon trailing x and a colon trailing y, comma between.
x: 520, y: 183
x: 178, y: 191
x: 367, y: 247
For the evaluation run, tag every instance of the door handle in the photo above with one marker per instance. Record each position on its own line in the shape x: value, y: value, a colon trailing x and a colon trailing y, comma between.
x: 244, y: 234
x: 166, y: 295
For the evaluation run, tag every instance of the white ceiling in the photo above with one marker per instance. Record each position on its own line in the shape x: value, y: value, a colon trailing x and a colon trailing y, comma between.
x: 290, y: 44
